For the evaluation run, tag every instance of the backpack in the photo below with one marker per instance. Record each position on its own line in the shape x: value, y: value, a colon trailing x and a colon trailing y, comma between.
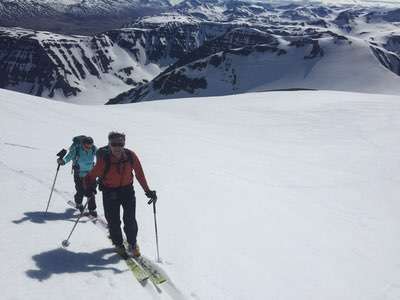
x: 105, y: 154
x: 77, y: 143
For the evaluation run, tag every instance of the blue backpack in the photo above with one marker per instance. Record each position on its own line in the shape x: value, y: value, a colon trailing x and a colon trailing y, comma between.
x: 77, y: 142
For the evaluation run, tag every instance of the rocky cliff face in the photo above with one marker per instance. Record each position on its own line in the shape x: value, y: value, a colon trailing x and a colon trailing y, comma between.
x: 165, y: 43
x: 52, y: 65
x: 29, y: 66
x: 387, y: 51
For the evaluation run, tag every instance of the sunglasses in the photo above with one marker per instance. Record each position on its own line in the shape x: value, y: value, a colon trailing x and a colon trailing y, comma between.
x: 117, y: 144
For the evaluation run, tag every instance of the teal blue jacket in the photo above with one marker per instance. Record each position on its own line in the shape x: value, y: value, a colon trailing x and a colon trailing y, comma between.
x: 84, y: 159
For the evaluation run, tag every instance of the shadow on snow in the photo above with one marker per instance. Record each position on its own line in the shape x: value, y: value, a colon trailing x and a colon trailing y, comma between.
x: 62, y: 261
x: 41, y: 217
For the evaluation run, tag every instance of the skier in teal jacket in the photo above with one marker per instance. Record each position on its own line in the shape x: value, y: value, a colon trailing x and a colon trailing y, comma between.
x: 82, y: 154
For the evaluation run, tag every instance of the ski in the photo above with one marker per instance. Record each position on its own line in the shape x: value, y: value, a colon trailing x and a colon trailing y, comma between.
x: 145, y: 264
x: 140, y: 273
x: 155, y: 276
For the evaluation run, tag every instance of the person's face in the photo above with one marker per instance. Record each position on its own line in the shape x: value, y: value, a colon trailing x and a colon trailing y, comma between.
x: 117, y: 145
x: 87, y: 146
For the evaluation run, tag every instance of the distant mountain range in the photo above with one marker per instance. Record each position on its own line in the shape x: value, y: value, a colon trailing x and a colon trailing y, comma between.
x: 76, y: 16
x: 212, y: 47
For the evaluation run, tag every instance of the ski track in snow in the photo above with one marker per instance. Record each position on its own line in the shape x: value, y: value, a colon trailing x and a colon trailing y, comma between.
x: 22, y: 146
x: 282, y: 195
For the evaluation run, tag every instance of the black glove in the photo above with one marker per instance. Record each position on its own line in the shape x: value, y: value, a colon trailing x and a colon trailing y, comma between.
x: 152, y: 195
x: 60, y: 161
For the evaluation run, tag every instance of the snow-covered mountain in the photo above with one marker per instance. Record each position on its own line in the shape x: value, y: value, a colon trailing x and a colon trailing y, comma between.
x: 282, y: 47
x: 93, y: 69
x: 329, y: 63
x: 141, y: 59
x: 75, y: 16
x: 282, y: 195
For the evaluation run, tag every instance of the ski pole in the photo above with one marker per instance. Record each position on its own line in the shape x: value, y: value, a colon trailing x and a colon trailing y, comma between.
x: 155, y: 226
x: 52, y: 188
x: 66, y: 243
x: 60, y: 154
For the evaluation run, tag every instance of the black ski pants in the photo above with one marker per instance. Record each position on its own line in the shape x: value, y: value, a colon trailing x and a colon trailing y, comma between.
x: 80, y: 193
x: 113, y: 199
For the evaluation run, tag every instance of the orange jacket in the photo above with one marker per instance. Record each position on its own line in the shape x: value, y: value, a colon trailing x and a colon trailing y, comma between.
x: 120, y: 172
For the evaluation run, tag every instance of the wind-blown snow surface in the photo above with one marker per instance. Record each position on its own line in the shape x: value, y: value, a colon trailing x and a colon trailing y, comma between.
x: 281, y: 195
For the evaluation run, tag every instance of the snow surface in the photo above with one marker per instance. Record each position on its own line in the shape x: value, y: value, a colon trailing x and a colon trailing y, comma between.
x: 280, y: 195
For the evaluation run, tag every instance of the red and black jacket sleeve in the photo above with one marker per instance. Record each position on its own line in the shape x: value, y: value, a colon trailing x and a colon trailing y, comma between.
x: 137, y: 167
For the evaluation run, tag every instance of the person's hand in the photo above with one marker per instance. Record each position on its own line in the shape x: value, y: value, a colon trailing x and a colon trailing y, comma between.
x: 60, y: 161
x: 152, y: 195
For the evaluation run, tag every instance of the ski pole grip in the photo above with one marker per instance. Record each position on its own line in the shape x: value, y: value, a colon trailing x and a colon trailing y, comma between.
x: 62, y: 153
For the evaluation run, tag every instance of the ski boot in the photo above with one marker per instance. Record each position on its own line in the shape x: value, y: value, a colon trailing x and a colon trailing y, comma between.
x: 79, y: 206
x: 93, y: 213
x: 134, y: 250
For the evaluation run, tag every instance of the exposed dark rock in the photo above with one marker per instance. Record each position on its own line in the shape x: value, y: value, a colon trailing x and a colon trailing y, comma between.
x: 178, y: 81
x: 27, y: 67
x: 390, y: 60
x: 315, y: 51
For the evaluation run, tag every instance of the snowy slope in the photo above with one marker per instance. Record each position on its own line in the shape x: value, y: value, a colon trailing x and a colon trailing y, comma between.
x: 281, y: 195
